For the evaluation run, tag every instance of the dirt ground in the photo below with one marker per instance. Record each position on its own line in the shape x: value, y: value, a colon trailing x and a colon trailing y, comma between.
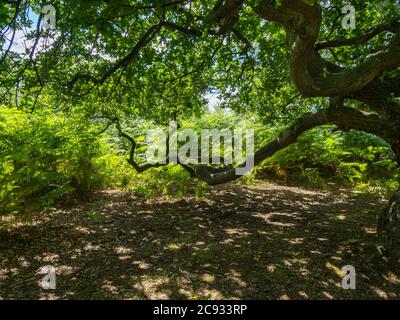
x: 264, y: 242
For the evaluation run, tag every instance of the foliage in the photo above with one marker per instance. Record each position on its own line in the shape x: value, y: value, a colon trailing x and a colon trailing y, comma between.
x: 357, y: 159
x: 43, y: 157
x: 177, y: 72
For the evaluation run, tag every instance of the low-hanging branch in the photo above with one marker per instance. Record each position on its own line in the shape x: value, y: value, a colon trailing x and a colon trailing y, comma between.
x: 142, y: 168
x: 343, y: 117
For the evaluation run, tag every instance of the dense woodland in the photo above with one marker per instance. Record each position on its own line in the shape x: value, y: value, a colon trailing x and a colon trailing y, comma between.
x: 77, y: 101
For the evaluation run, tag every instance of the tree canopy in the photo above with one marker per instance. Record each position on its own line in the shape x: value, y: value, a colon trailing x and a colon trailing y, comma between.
x: 162, y: 60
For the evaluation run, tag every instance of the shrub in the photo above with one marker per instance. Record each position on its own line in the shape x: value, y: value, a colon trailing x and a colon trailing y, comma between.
x: 321, y: 155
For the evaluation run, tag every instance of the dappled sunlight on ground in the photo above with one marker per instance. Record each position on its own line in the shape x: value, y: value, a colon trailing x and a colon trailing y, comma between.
x: 264, y: 242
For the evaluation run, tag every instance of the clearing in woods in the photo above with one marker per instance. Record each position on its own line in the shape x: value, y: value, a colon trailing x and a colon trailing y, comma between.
x: 261, y: 242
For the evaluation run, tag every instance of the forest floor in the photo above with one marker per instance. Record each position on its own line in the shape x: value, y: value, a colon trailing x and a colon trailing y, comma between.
x: 261, y: 242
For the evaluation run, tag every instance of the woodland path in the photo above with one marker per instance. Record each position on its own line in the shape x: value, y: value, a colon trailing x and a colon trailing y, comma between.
x: 261, y: 242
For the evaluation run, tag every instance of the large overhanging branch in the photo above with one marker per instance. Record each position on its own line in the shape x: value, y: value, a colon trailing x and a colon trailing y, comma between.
x: 342, y: 83
x: 344, y: 118
x: 227, y: 13
x: 142, y: 168
x: 124, y: 62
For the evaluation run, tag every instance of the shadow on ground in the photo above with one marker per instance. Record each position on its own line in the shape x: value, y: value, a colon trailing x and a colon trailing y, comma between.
x: 265, y: 242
